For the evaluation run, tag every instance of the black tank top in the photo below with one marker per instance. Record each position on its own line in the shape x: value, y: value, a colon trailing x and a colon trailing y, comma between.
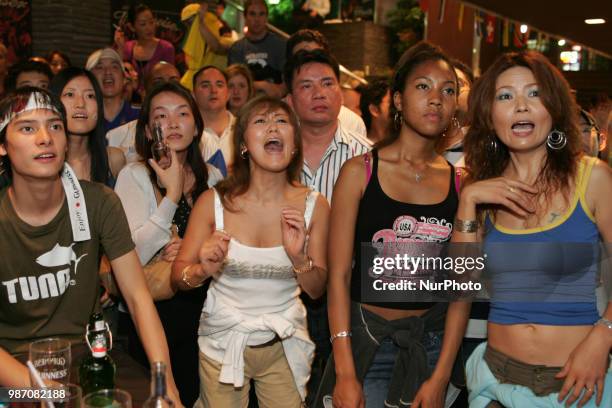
x: 383, y: 219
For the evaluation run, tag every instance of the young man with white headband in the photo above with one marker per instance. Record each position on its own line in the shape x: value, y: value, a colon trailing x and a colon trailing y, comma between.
x: 53, y: 227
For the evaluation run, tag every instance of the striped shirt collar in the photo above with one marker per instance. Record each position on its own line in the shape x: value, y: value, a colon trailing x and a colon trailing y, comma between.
x: 342, y: 147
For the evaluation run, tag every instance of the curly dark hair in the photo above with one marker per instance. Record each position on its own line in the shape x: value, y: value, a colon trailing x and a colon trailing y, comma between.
x: 484, y: 162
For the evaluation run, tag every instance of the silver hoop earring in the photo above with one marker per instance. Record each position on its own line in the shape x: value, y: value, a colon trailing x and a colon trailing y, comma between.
x: 397, y: 120
x: 556, y: 140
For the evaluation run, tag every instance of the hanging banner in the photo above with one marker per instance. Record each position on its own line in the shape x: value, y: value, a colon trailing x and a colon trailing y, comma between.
x: 506, y: 34
x: 490, y: 29
x: 478, y: 21
x: 442, y: 11
x: 16, y: 29
x: 520, y: 39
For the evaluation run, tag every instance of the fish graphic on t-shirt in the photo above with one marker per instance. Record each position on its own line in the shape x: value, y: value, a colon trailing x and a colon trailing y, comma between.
x: 59, y: 256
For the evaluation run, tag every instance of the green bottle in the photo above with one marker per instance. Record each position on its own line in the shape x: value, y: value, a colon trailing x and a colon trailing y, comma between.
x: 97, y: 371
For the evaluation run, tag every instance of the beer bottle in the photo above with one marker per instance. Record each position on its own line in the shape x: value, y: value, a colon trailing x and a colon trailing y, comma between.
x: 97, y: 370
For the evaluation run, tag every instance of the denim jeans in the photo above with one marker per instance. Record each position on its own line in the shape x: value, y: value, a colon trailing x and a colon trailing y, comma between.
x: 376, y: 381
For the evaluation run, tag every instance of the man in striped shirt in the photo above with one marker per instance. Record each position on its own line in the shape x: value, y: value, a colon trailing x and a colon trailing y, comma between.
x: 314, y: 92
x: 312, y: 78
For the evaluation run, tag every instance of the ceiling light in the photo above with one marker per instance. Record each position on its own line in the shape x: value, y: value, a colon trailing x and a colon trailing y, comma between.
x: 594, y: 21
x: 576, y: 48
x: 524, y: 28
x: 561, y: 43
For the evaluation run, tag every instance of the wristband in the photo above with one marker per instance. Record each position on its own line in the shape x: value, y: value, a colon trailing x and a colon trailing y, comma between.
x: 186, y: 281
x: 345, y: 333
x: 466, y: 226
x: 604, y: 322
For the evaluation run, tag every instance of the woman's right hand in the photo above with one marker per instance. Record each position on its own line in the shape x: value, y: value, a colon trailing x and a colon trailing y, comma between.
x: 171, y: 249
x: 119, y: 39
x: 348, y: 393
x: 172, y: 178
x: 213, y: 252
x: 515, y: 195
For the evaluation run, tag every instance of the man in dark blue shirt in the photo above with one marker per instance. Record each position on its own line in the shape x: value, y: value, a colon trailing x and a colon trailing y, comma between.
x: 262, y: 51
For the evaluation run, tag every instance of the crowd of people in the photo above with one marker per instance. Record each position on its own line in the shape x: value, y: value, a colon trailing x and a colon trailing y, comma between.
x: 221, y: 217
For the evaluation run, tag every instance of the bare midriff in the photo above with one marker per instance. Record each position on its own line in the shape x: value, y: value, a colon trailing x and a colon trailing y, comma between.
x: 535, y: 343
x: 393, y: 314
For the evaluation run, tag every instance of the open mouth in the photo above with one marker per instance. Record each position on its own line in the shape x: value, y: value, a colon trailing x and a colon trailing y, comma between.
x: 273, y: 145
x: 108, y: 82
x: 523, y: 126
x: 45, y: 156
x: 79, y: 116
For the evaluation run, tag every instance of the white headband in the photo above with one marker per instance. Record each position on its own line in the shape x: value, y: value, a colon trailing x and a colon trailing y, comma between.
x: 37, y: 100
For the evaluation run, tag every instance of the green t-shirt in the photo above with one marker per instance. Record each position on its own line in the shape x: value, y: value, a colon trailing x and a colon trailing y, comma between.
x: 49, y: 284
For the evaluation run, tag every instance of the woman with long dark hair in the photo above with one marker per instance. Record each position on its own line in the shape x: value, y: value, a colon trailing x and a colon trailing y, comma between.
x: 531, y: 192
x: 88, y: 155
x: 157, y: 198
x: 58, y: 61
x: 385, y: 349
x: 146, y: 49
x: 260, y: 236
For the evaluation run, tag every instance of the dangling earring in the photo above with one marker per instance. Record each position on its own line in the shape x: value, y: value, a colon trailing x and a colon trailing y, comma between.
x: 455, y: 123
x: 556, y: 140
x: 243, y: 152
x: 293, y: 152
x: 493, y: 145
x: 397, y: 120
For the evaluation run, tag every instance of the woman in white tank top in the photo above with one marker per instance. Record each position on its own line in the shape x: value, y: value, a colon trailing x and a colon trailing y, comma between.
x: 261, y: 236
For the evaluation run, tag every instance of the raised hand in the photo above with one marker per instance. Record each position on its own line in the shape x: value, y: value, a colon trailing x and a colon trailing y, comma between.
x: 119, y: 38
x: 293, y: 228
x: 172, y: 178
x: 212, y: 253
x: 512, y: 194
x: 171, y: 249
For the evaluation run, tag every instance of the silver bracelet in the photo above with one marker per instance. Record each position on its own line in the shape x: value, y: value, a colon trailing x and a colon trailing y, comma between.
x: 344, y: 333
x: 604, y: 322
x: 465, y: 226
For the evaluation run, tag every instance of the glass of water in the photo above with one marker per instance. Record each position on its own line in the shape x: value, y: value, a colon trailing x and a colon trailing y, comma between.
x: 72, y: 397
x: 114, y: 398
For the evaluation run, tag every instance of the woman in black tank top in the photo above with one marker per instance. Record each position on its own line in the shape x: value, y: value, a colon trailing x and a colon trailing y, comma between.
x: 402, y: 192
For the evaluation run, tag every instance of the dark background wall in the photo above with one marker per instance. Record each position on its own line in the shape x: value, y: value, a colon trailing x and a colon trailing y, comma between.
x: 76, y: 27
